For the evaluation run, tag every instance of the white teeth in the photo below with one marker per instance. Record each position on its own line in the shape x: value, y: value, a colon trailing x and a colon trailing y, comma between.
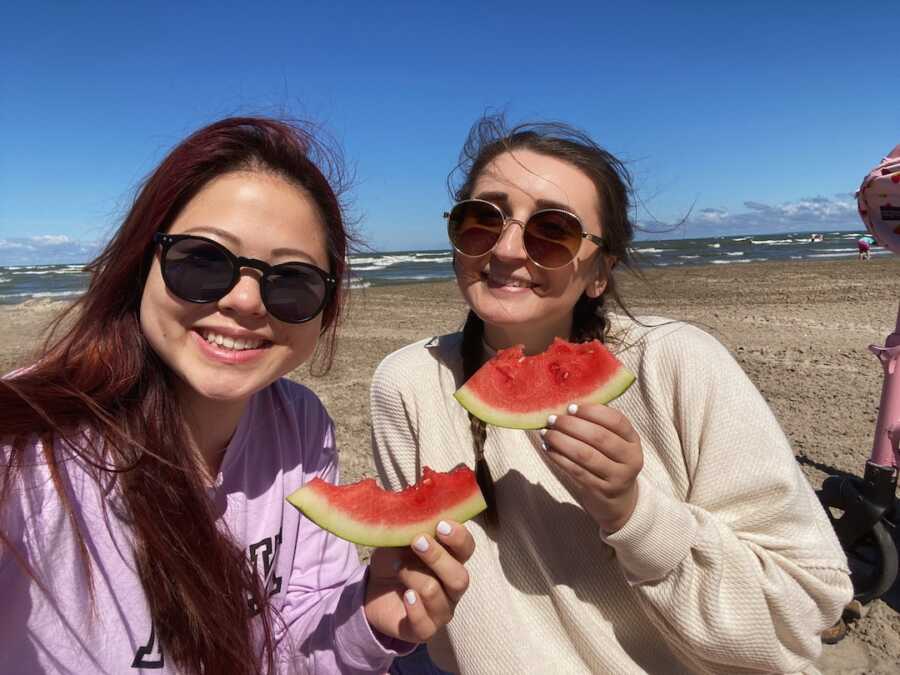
x: 236, y: 344
x: 516, y: 283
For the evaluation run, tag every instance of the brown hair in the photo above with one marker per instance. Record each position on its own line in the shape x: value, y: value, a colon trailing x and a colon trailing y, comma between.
x: 490, y: 137
x: 101, y: 375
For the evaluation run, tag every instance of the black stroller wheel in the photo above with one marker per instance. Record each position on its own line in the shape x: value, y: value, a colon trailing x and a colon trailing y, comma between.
x: 873, y: 556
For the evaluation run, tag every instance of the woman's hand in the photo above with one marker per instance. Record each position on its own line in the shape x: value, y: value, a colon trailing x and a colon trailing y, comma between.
x: 413, y: 592
x: 599, y: 455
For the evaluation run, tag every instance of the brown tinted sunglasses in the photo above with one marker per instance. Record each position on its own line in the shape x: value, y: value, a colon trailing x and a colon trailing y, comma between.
x: 552, y: 237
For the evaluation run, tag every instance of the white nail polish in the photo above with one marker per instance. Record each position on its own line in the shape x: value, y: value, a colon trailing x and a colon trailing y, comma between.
x: 572, y: 409
x: 421, y: 544
x: 410, y: 596
x: 551, y: 420
x: 396, y: 565
x: 543, y: 446
x: 444, y: 528
x: 544, y: 432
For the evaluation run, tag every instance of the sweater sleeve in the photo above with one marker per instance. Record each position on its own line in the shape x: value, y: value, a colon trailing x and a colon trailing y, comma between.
x: 746, y: 569
x: 323, y: 623
x: 395, y: 438
x: 395, y: 445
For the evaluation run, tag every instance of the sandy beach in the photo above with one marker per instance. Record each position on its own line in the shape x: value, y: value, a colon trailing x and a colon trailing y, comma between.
x: 800, y: 331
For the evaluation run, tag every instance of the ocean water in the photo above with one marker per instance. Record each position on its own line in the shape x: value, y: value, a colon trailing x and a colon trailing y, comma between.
x: 18, y: 284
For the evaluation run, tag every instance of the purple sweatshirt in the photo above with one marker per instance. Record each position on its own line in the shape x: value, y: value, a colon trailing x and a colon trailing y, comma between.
x: 315, y: 581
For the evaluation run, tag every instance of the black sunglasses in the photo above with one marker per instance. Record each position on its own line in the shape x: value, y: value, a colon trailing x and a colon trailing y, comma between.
x: 201, y: 270
x: 552, y: 237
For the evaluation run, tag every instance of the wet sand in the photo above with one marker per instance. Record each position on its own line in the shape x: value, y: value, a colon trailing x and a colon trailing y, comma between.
x: 800, y: 330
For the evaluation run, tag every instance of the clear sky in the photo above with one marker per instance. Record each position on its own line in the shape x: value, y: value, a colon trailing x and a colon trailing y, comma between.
x: 762, y: 117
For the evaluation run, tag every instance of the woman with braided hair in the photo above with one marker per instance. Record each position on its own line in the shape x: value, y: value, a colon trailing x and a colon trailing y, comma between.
x: 671, y: 531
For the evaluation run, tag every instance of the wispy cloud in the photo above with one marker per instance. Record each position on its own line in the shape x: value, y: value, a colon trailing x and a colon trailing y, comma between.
x: 46, y: 249
x: 803, y: 215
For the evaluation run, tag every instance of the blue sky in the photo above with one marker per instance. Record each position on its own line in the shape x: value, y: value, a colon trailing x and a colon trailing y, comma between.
x: 752, y: 119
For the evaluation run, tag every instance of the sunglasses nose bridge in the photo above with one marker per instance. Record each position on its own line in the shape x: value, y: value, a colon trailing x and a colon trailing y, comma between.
x: 253, y: 263
x: 246, y: 296
x: 508, y: 244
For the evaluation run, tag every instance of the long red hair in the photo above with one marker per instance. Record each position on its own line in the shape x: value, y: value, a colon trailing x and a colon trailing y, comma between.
x: 98, y: 373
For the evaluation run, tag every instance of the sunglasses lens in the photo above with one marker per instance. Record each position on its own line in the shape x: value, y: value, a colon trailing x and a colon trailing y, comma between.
x: 295, y: 293
x: 198, y: 270
x: 474, y: 227
x: 552, y: 238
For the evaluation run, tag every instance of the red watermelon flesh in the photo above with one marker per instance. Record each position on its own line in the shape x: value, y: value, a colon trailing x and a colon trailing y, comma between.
x: 519, y: 392
x: 366, y: 514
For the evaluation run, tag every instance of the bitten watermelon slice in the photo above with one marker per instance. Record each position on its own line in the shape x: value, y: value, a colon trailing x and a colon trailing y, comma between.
x: 369, y: 515
x: 519, y: 392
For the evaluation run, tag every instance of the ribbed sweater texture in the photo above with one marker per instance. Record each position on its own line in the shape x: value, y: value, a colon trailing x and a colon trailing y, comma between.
x: 728, y: 564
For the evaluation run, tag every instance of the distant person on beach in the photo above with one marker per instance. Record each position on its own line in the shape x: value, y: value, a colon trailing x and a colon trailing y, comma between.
x: 864, y: 248
x: 671, y: 531
x: 148, y: 451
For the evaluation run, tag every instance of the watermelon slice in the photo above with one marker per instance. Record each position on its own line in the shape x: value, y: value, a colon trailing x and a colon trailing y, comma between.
x: 366, y: 514
x: 519, y: 392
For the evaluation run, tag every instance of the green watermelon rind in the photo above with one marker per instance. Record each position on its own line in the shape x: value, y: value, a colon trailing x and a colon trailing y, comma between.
x: 537, y: 419
x: 318, y: 508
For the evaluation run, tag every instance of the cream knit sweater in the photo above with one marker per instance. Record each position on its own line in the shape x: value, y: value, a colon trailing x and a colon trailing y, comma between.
x: 728, y: 564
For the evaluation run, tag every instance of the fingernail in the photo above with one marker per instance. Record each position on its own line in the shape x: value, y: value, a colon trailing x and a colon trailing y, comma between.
x: 421, y: 544
x: 444, y: 528
x: 551, y: 420
x: 410, y: 596
x: 543, y: 446
x: 543, y: 432
x: 572, y: 409
x: 396, y: 565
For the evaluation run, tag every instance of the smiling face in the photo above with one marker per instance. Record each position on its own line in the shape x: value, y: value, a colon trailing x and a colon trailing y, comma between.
x: 225, y: 351
x: 519, y: 302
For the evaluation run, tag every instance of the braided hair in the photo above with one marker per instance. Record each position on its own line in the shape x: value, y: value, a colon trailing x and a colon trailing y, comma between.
x: 490, y: 137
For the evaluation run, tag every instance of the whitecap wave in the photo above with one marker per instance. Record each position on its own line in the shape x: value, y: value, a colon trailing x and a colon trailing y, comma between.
x: 417, y: 277
x: 742, y: 260
x: 372, y: 263
x: 77, y: 270
x: 382, y: 260
x: 45, y: 294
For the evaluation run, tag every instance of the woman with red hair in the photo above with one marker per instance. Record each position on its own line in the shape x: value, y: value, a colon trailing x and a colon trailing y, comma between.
x: 148, y: 450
